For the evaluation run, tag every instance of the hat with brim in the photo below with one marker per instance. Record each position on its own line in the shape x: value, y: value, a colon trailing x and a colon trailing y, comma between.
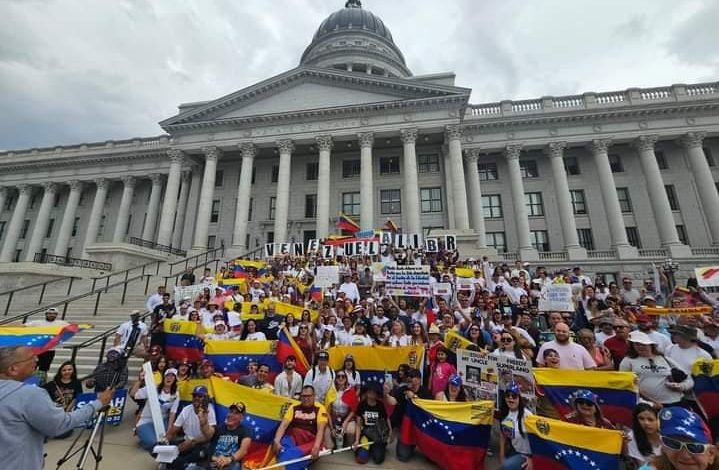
x: 238, y: 407
x: 686, y: 331
x: 640, y: 337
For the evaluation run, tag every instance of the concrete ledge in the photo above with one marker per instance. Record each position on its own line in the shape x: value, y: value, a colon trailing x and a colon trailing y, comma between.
x: 15, y: 275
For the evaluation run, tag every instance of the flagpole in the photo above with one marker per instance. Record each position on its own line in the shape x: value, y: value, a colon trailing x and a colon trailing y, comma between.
x: 309, y: 457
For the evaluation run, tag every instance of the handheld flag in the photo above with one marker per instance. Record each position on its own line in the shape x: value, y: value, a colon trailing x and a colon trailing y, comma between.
x: 344, y: 222
x: 706, y: 386
x: 391, y: 226
x: 181, y: 340
x: 373, y: 361
x: 38, y: 338
x: 286, y: 346
x: 557, y: 445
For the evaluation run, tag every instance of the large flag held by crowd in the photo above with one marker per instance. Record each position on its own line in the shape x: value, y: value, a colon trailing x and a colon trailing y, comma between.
x: 231, y: 357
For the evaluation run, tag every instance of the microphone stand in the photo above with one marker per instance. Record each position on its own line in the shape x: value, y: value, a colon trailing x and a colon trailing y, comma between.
x: 86, y: 448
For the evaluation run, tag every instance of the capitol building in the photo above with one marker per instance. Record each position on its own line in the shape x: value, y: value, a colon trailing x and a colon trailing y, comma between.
x: 611, y: 181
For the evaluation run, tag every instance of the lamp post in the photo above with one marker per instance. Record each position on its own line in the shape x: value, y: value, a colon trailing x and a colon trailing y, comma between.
x: 670, y: 267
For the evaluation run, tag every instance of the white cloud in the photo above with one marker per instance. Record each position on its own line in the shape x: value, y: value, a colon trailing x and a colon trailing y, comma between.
x: 74, y: 71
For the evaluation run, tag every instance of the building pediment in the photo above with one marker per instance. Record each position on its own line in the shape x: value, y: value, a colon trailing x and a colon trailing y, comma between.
x: 307, y: 90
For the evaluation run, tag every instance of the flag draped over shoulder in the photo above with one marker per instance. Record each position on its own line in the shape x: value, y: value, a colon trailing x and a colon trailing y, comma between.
x: 38, y: 338
x: 231, y: 357
x: 616, y: 391
x: 557, y: 445
x: 344, y: 222
x: 286, y: 346
x: 373, y: 361
x: 706, y: 386
x: 181, y: 340
x: 454, y: 435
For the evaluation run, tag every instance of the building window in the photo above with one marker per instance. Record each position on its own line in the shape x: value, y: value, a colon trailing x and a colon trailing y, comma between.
x: 390, y: 201
x: 271, y: 215
x: 681, y: 231
x: 249, y: 211
x: 351, y: 168
x: 615, y: 163
x: 75, y: 226
x: 497, y: 241
x: 492, y: 206
x: 83, y: 197
x: 431, y: 199
x: 219, y: 178
x: 535, y: 207
x: 633, y: 237
x: 709, y: 156
x: 312, y: 171
x: 428, y: 163
x: 275, y: 173
x: 389, y: 165
x: 579, y: 203
x: 625, y: 202
x: 215, y: 212
x: 50, y: 226
x: 661, y: 160
x: 2, y: 228
x: 528, y: 168
x: 571, y: 166
x: 487, y: 171
x: 16, y: 258
x: 270, y: 237
x: 586, y: 240
x: 540, y: 240
x: 351, y: 203
x: 25, y: 228
x: 672, y: 196
x: 129, y: 224
x: 100, y: 228
x: 211, y: 240
x: 310, y: 206
x: 247, y: 241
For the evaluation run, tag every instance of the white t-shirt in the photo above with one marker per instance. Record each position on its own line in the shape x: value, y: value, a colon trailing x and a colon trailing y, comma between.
x: 571, y: 356
x: 686, y: 358
x: 321, y: 381
x: 168, y: 404
x: 358, y: 340
x: 44, y: 322
x: 190, y: 423
x: 344, y: 337
x: 256, y: 336
x: 126, y: 329
x: 509, y: 427
x: 662, y: 340
x: 396, y: 341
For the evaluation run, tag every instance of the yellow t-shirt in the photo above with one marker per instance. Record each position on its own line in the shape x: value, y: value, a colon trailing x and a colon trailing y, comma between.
x: 307, y: 418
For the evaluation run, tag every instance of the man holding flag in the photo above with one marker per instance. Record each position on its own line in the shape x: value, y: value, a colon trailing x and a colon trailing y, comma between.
x: 305, y: 424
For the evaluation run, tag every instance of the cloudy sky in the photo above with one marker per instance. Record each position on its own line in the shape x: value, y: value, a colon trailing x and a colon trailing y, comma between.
x: 75, y: 71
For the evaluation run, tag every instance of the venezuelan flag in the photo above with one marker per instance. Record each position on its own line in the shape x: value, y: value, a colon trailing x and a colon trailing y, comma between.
x: 391, y: 226
x: 455, y: 435
x: 373, y: 361
x: 38, y: 338
x: 464, y: 272
x: 286, y: 346
x: 706, y: 386
x: 181, y: 340
x: 616, y: 390
x: 344, y: 222
x: 231, y: 357
x: 557, y: 445
x: 316, y: 293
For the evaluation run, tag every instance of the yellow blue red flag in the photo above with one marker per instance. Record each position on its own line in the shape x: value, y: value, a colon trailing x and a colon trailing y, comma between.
x: 38, y: 338
x: 373, y: 361
x: 181, y: 340
x: 231, y: 357
x: 706, y: 385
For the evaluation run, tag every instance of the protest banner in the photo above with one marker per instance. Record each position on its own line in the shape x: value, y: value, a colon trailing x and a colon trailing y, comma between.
x: 442, y: 288
x: 408, y: 281
x: 519, y: 371
x: 556, y: 298
x: 114, y: 412
x: 327, y: 275
x: 708, y: 276
x: 465, y: 283
x: 379, y: 271
x: 479, y: 371
x: 191, y: 291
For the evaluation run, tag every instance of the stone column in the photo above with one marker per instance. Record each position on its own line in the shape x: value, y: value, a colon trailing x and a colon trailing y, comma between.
x: 193, y: 202
x: 153, y: 207
x: 282, y: 203
x: 42, y: 221
x: 410, y: 201
x: 324, y: 144
x: 366, y: 141
x: 244, y: 189
x: 615, y: 220
x: 555, y: 151
x: 3, y: 198
x: 526, y: 250
x: 657, y: 194
x: 207, y: 193
x: 98, y: 206
x: 169, y: 205
x: 18, y: 216
x: 449, y: 193
x: 453, y: 135
x: 471, y: 158
x: 68, y: 219
x: 708, y: 194
x: 123, y: 214
x: 179, y: 223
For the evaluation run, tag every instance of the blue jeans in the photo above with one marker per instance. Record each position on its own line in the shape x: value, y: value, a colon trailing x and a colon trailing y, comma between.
x: 146, y: 436
x: 514, y: 462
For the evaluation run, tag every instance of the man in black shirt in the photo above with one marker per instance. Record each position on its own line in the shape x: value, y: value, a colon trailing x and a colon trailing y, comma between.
x: 271, y: 323
x: 231, y: 441
x: 402, y: 394
x: 188, y: 278
x: 161, y: 312
x: 372, y: 426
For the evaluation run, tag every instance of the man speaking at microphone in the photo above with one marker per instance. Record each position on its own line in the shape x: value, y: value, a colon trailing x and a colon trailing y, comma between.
x: 27, y: 414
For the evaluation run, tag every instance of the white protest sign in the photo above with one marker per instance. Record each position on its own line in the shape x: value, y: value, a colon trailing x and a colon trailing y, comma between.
x: 479, y: 372
x: 410, y: 281
x: 191, y: 291
x: 442, y: 288
x: 556, y: 298
x: 327, y: 275
x: 708, y: 276
x: 379, y: 272
x: 431, y: 246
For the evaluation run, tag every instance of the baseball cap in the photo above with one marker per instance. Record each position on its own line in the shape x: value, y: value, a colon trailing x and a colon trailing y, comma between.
x: 456, y: 380
x: 199, y: 390
x: 172, y: 371
x: 584, y: 394
x: 414, y: 373
x: 134, y: 312
x: 51, y: 310
x: 238, y: 406
x: 513, y: 387
x: 323, y: 355
x: 675, y: 421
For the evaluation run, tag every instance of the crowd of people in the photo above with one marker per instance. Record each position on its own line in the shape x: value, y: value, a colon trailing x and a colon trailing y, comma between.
x: 496, y: 308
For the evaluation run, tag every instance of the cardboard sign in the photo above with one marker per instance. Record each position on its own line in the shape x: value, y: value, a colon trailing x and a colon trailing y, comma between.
x: 556, y: 298
x: 379, y: 270
x: 191, y: 291
x: 326, y: 276
x: 409, y: 281
x: 431, y: 245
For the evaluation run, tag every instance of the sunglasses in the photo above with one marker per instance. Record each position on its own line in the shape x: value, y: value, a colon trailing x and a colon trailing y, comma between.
x: 677, y: 445
x: 511, y: 395
x: 507, y: 340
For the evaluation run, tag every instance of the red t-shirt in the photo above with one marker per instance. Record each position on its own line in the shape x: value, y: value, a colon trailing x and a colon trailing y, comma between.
x: 618, y: 347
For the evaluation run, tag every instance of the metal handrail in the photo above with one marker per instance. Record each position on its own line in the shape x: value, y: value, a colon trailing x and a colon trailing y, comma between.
x: 178, y: 275
x: 101, y: 337
x: 156, y: 246
x: 126, y: 272
x: 207, y: 254
x: 67, y: 301
x: 11, y: 293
